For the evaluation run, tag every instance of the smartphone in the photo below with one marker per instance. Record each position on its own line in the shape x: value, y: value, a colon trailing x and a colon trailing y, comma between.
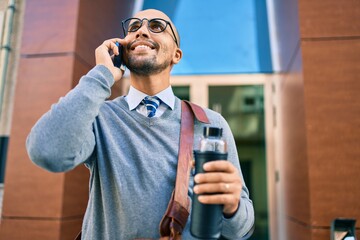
x: 118, y: 59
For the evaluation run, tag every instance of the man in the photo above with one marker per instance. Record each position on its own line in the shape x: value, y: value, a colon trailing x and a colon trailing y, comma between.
x: 132, y: 157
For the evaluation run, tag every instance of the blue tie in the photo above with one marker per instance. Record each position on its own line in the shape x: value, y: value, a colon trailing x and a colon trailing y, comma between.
x: 151, y: 103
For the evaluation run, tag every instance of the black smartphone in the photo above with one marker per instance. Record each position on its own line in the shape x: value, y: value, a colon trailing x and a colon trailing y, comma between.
x: 118, y: 60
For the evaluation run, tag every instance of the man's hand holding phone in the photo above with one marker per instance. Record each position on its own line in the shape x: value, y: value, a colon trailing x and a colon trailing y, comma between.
x: 109, y: 51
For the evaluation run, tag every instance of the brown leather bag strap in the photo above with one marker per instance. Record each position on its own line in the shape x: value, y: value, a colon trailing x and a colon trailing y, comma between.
x: 186, y: 149
x: 176, y: 215
x: 199, y: 112
x: 185, y: 155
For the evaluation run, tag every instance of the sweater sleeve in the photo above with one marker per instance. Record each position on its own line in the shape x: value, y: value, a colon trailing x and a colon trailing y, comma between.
x: 240, y: 224
x: 63, y: 137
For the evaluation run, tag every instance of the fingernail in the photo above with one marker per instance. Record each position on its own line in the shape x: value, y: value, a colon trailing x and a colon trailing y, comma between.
x: 196, y: 178
x: 205, y: 166
x: 196, y: 189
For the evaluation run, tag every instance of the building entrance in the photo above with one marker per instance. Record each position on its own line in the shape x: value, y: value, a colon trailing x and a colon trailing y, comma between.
x: 245, y: 102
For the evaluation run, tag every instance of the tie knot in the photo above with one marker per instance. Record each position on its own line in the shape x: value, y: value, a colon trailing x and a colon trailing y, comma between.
x: 151, y: 103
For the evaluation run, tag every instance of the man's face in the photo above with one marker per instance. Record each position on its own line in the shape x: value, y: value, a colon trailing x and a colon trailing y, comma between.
x: 147, y: 52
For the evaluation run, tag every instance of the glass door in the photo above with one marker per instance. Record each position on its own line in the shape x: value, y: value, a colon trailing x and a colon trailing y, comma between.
x: 243, y: 108
x: 246, y: 102
x: 182, y: 92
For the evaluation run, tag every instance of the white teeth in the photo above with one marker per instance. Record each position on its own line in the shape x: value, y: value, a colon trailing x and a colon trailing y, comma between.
x: 142, y: 47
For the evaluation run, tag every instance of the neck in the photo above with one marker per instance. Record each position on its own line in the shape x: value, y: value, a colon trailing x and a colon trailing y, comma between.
x: 152, y: 84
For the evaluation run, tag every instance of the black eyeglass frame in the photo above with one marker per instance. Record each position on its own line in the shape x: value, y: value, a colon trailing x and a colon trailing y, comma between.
x: 148, y: 26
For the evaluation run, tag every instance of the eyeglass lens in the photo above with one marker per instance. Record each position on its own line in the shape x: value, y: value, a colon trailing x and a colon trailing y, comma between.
x: 154, y: 25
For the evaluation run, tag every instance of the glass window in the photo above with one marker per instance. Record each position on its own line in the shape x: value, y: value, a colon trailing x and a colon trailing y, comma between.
x: 243, y: 108
x: 182, y: 92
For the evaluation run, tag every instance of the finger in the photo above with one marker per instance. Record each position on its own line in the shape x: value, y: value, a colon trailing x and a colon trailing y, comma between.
x: 114, y: 47
x: 208, y: 188
x: 102, y: 55
x: 219, y: 166
x: 225, y: 199
x: 229, y: 201
x: 119, y: 40
x: 123, y: 42
x: 216, y: 177
x: 110, y: 44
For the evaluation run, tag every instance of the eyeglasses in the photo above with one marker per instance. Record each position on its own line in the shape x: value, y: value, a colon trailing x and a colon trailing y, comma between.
x: 155, y: 25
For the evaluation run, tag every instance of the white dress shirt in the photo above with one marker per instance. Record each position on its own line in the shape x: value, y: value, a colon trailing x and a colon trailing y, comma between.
x: 135, y: 97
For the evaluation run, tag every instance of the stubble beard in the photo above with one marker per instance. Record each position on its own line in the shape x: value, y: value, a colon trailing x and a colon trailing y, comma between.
x: 146, y: 67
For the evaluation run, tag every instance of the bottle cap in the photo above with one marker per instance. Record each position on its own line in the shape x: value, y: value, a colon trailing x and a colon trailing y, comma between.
x: 212, y: 132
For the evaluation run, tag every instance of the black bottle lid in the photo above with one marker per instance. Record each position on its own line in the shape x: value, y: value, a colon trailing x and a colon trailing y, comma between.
x: 212, y: 132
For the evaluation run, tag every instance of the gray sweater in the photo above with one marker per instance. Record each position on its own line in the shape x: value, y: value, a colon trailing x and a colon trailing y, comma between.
x: 132, y: 159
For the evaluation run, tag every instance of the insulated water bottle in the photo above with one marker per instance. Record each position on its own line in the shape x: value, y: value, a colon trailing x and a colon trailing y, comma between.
x: 206, y: 219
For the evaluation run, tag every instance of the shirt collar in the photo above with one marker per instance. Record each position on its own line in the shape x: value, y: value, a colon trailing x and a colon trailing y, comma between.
x: 135, y: 97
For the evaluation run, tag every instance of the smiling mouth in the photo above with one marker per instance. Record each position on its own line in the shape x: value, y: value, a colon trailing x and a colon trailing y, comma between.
x: 141, y: 47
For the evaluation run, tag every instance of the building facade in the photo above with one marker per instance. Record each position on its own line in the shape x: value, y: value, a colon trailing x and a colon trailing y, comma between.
x: 287, y: 82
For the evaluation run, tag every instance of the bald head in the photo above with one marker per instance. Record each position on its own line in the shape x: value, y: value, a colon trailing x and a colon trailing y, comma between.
x: 154, y: 13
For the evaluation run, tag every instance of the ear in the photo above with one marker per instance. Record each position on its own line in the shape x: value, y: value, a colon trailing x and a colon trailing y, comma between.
x: 177, y: 56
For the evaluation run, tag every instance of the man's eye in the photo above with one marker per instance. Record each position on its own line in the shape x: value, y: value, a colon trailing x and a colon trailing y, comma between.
x: 134, y: 26
x: 157, y: 26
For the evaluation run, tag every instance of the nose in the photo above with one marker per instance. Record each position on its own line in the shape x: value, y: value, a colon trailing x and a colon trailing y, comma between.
x: 143, y: 31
